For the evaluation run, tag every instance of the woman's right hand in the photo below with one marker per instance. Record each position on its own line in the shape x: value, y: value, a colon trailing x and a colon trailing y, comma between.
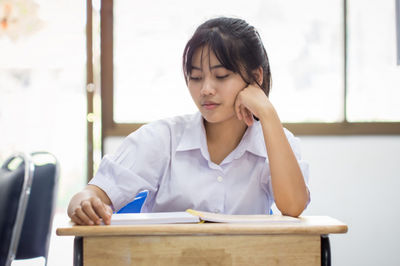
x: 89, y: 206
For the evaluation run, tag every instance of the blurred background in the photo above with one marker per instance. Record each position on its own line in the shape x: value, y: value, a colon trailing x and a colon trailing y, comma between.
x: 78, y: 76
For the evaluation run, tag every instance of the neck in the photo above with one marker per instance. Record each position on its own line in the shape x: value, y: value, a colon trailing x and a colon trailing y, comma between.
x: 227, y: 133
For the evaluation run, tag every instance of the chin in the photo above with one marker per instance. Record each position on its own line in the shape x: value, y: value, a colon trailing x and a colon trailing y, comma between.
x: 210, y: 118
x: 215, y: 118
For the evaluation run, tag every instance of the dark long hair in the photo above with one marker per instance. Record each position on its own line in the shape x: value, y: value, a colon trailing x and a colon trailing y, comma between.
x: 236, y: 44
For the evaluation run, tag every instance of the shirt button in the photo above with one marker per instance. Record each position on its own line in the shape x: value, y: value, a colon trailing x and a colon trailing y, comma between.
x: 220, y: 179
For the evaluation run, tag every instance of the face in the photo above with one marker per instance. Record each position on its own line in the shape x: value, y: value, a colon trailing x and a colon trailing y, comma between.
x: 213, y: 87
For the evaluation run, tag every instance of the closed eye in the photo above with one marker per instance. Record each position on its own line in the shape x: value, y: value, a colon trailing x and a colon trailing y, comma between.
x: 222, y: 77
x: 195, y: 78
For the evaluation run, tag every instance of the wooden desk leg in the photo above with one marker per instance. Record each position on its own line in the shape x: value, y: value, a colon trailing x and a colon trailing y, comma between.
x: 325, y: 251
x: 78, y: 251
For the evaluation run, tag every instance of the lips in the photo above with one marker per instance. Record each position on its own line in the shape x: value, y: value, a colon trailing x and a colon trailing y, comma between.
x: 209, y: 105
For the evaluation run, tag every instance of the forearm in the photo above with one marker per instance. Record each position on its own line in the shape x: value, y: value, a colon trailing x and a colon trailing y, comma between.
x: 288, y: 184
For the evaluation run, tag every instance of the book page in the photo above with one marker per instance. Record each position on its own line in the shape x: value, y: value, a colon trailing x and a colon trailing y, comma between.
x: 251, y: 218
x: 153, y: 218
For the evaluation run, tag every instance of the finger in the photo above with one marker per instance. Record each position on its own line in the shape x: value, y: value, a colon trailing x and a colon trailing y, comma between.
x: 101, y: 209
x: 238, y: 114
x: 246, y: 118
x: 77, y: 220
x: 243, y: 113
x: 249, y: 117
x: 81, y: 215
x: 89, y: 211
x: 237, y: 109
x: 110, y: 212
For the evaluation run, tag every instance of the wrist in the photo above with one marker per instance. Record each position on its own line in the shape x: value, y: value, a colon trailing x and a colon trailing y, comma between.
x: 267, y: 114
x: 77, y: 199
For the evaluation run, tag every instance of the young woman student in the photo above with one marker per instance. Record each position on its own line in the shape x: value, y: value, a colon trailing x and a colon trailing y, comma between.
x: 233, y: 156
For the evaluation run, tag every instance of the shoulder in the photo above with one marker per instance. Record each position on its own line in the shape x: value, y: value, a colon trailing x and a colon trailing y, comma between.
x: 153, y: 140
x: 167, y: 126
x: 257, y: 137
x: 294, y: 142
x: 162, y: 132
x: 177, y: 122
x: 289, y: 134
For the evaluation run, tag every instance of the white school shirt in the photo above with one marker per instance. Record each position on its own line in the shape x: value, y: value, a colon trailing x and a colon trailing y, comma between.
x: 170, y: 159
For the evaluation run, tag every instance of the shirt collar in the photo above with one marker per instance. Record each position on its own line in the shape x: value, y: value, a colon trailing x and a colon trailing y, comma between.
x: 253, y: 140
x: 194, y: 137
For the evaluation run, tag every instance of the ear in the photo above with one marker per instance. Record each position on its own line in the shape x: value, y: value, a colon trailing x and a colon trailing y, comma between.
x: 258, y: 75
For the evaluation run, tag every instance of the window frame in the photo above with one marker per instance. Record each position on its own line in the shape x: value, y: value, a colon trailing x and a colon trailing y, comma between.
x: 89, y: 93
x: 111, y: 129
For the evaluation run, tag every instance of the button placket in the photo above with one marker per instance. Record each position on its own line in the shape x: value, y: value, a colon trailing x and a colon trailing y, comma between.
x: 219, y: 205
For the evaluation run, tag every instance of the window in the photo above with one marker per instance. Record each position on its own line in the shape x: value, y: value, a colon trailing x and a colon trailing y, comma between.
x: 42, y: 90
x: 314, y: 48
x: 374, y: 76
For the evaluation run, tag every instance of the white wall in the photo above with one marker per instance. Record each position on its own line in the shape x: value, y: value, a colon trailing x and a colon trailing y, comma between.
x: 356, y: 180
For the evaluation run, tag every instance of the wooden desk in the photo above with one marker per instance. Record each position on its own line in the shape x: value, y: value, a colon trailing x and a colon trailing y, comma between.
x: 304, y: 243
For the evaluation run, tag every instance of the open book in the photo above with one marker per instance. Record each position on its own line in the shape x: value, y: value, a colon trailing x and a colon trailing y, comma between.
x: 192, y: 216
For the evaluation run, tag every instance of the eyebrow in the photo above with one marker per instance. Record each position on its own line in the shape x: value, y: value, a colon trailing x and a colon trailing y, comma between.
x: 212, y: 67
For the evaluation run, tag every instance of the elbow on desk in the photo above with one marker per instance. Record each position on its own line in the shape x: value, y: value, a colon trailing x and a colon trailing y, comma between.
x: 293, y: 209
x: 292, y: 213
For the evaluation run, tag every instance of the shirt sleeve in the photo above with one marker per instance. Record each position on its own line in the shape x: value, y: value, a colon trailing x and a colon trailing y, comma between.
x: 304, y: 167
x: 138, y: 164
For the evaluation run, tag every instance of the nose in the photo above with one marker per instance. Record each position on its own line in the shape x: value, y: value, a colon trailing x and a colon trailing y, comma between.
x: 207, y: 88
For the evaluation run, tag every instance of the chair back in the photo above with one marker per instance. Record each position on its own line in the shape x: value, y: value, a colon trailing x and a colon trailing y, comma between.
x: 135, y: 206
x: 15, y: 185
x: 36, y: 230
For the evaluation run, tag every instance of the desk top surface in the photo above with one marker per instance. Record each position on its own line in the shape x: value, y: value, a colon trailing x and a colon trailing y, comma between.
x: 307, y: 225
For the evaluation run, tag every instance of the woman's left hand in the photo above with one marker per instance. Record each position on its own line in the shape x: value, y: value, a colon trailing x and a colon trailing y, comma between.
x: 251, y: 101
